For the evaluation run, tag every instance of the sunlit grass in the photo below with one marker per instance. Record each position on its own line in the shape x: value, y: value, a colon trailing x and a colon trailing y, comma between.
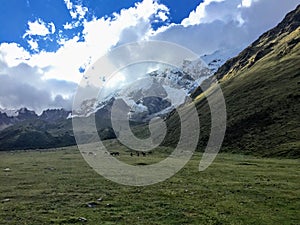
x: 55, y: 187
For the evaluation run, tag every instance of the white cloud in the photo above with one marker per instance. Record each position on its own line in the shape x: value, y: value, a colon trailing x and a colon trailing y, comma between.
x: 199, y: 15
x: 76, y: 11
x: 219, y: 27
x: 33, y: 44
x: 13, y: 54
x: 73, y: 24
x: 52, y: 27
x: 68, y: 26
x: 39, y: 28
x: 214, y: 25
x: 23, y: 86
x: 100, y: 35
x: 163, y: 16
x: 69, y: 4
x: 80, y: 11
x: 246, y: 3
x: 224, y: 24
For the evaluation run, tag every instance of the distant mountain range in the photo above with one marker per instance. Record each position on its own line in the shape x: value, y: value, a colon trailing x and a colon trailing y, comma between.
x: 260, y: 85
x: 12, y: 117
x: 156, y: 94
x: 24, y: 129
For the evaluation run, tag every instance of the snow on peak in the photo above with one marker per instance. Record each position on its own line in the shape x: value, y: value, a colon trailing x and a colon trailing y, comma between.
x: 196, y: 68
x: 156, y: 92
x: 219, y: 57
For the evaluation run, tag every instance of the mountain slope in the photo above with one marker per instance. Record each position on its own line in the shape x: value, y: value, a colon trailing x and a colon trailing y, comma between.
x: 37, y: 134
x: 262, y: 93
x: 27, y: 130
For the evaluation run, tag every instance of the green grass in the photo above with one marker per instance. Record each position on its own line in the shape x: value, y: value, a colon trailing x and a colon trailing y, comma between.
x: 262, y: 98
x: 54, y: 187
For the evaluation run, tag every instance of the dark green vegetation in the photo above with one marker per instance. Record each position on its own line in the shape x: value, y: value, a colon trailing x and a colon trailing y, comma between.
x: 261, y: 87
x: 58, y: 187
x: 33, y: 134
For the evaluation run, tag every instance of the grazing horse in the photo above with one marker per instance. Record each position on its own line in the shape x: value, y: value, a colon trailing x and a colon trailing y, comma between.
x: 115, y: 153
x: 144, y: 154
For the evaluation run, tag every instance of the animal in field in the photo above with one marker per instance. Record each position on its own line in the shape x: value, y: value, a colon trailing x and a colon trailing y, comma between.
x: 115, y: 153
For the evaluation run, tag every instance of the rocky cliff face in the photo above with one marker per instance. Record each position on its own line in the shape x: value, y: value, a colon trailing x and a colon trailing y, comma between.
x: 53, y: 115
x: 5, y: 121
x: 26, y: 114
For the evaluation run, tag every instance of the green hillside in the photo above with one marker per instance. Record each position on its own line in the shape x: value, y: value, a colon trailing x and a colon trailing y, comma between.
x: 261, y: 87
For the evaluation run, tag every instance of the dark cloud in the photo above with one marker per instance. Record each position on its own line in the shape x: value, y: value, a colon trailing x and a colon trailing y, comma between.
x: 23, y: 86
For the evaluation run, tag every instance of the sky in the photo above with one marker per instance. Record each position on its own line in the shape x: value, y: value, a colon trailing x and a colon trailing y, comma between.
x: 46, y: 46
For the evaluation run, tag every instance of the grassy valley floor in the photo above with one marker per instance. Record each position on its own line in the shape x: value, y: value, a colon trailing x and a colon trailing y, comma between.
x: 58, y: 187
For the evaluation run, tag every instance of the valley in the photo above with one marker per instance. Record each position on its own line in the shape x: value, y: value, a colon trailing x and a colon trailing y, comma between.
x: 46, y: 178
x: 56, y: 186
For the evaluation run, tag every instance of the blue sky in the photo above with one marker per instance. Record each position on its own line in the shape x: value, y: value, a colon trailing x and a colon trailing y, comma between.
x: 22, y: 11
x: 46, y: 45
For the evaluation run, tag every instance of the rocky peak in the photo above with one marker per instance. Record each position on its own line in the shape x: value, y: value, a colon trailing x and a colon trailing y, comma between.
x: 52, y: 115
x: 196, y: 68
x: 5, y: 120
x: 25, y: 114
x: 3, y: 115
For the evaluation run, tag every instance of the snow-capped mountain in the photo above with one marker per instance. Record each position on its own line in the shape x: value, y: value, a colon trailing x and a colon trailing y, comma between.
x: 26, y: 114
x: 11, y: 117
x: 155, y: 93
x: 219, y: 57
x: 52, y: 115
x: 9, y: 112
